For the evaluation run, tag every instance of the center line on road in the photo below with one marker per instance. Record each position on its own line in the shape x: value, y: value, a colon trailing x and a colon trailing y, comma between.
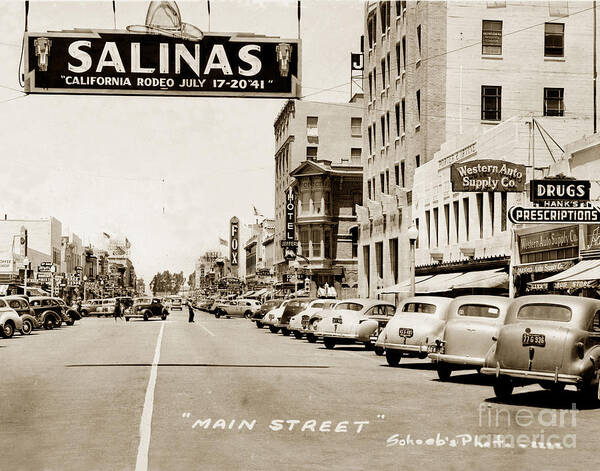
x: 141, y: 463
x: 208, y: 331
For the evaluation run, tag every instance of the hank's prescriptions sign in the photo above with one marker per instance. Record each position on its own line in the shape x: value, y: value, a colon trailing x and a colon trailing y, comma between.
x: 234, y: 240
x: 121, y: 62
x: 487, y: 175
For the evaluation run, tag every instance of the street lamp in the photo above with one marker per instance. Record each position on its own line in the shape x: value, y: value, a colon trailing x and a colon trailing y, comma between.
x: 84, y: 287
x: 413, y: 234
x: 26, y: 265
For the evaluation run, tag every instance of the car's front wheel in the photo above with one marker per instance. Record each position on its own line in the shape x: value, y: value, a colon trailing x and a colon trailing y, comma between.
x: 27, y: 327
x: 443, y: 370
x: 285, y: 331
x: 298, y: 335
x: 247, y: 314
x: 379, y: 351
x: 329, y: 343
x: 163, y: 317
x: 126, y: 319
x: 393, y: 357
x: 273, y: 329
x: 311, y: 338
x: 368, y: 346
x: 259, y: 324
x: 8, y: 330
x: 48, y: 323
x: 503, y: 387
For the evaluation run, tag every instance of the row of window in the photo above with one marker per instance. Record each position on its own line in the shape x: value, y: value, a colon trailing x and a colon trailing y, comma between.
x: 385, y: 13
x: 455, y: 217
x: 491, y: 38
x: 384, y: 179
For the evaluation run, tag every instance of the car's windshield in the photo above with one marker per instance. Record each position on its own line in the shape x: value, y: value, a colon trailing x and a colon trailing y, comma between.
x: 478, y: 310
x: 422, y: 308
x: 271, y: 304
x: 318, y: 305
x: 348, y: 307
x: 544, y: 312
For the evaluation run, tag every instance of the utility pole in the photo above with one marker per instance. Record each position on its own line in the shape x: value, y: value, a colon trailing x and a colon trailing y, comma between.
x: 595, y: 72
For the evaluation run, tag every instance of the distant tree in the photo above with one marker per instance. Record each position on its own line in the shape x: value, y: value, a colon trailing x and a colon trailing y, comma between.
x: 177, y: 281
x: 192, y: 280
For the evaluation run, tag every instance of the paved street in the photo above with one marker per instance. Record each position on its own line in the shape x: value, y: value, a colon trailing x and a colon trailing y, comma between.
x: 74, y: 399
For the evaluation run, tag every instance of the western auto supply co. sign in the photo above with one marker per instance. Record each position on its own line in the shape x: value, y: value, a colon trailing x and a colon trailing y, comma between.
x: 234, y: 240
x: 487, y: 175
x: 125, y: 63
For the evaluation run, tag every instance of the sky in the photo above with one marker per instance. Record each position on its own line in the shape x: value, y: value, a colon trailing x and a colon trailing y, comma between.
x: 166, y: 172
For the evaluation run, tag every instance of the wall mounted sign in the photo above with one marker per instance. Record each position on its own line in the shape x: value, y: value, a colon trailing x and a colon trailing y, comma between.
x: 487, y: 175
x: 234, y: 240
x: 125, y: 63
x: 458, y: 155
x: 543, y: 241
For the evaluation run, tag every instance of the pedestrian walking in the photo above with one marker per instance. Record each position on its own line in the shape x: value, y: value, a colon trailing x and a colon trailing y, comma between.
x: 191, y: 313
x: 117, y: 311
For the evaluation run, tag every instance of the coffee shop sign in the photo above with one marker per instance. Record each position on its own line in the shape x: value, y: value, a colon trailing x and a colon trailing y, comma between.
x: 487, y: 175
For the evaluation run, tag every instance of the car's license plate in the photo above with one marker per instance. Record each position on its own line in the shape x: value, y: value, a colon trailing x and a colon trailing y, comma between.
x: 534, y: 340
x: 336, y: 320
x: 432, y: 348
x: 403, y: 332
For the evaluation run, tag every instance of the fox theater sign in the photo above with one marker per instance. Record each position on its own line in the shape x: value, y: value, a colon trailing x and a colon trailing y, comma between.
x: 126, y: 63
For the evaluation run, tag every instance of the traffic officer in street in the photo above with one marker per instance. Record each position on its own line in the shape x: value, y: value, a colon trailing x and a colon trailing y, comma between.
x: 191, y: 312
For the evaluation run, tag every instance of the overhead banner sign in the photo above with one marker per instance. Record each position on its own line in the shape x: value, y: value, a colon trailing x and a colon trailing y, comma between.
x: 487, y: 175
x: 125, y: 63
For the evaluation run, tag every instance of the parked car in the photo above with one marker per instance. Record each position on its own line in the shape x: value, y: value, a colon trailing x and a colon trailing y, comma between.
x: 146, y: 308
x: 99, y: 307
x: 48, y: 311
x: 312, y: 323
x: 473, y: 323
x: 419, y: 321
x: 263, y: 309
x: 292, y: 308
x: 369, y: 329
x: 21, y: 306
x: 344, y: 325
x: 176, y: 303
x: 91, y: 307
x: 299, y: 322
x: 553, y: 340
x: 236, y: 308
x: 272, y: 317
x: 9, y: 320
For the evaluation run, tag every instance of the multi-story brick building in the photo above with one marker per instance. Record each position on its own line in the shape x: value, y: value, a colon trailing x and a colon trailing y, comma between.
x: 306, y: 130
x: 435, y: 70
x: 327, y: 195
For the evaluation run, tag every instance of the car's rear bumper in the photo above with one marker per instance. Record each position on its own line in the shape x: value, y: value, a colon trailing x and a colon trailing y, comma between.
x: 457, y: 359
x: 534, y: 375
x: 405, y: 348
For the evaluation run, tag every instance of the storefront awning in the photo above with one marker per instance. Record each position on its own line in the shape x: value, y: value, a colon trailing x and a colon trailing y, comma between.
x: 248, y: 294
x: 260, y: 292
x: 403, y: 286
x: 585, y: 270
x: 496, y: 278
x: 437, y: 283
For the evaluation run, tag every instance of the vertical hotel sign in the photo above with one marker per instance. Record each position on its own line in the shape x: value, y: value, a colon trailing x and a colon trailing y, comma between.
x: 289, y: 243
x: 234, y: 240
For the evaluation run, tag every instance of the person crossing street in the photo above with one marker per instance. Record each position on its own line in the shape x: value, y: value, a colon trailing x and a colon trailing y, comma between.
x: 191, y: 312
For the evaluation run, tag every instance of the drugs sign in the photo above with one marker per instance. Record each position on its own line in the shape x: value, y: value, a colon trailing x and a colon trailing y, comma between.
x: 125, y: 63
x: 560, y: 190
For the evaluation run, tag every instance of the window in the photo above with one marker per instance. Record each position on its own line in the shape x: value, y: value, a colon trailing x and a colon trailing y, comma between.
x: 355, y: 155
x: 403, y: 116
x: 553, y: 102
x: 402, y: 181
x: 596, y: 322
x: 394, y: 258
x: 544, y: 312
x: 397, y: 110
x: 316, y: 243
x: 379, y: 258
x: 491, y: 37
x: 370, y: 141
x: 479, y: 200
x: 382, y: 181
x: 466, y: 216
x: 419, y: 41
x: 383, y: 84
x: 383, y: 131
x: 304, y: 243
x: 419, y: 105
x: 491, y: 99
x: 389, y: 69
x: 354, y: 234
x: 387, y: 181
x: 367, y: 264
x: 491, y: 198
x: 327, y: 244
x: 436, y: 216
x: 371, y: 30
x: 371, y: 86
x: 397, y: 174
x: 387, y: 119
x: 398, y: 60
x: 479, y: 310
x: 356, y: 124
x: 404, y: 52
x: 456, y: 224
x: 554, y: 38
x: 503, y: 210
x: 312, y: 122
x: 422, y: 308
x: 447, y: 221
x: 374, y: 134
x: 348, y: 307
x: 385, y: 15
x: 369, y: 190
x: 417, y: 226
x: 311, y: 153
x: 428, y: 227
x: 417, y: 160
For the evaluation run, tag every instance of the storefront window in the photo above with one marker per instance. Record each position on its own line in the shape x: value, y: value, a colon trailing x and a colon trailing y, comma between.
x: 316, y: 243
